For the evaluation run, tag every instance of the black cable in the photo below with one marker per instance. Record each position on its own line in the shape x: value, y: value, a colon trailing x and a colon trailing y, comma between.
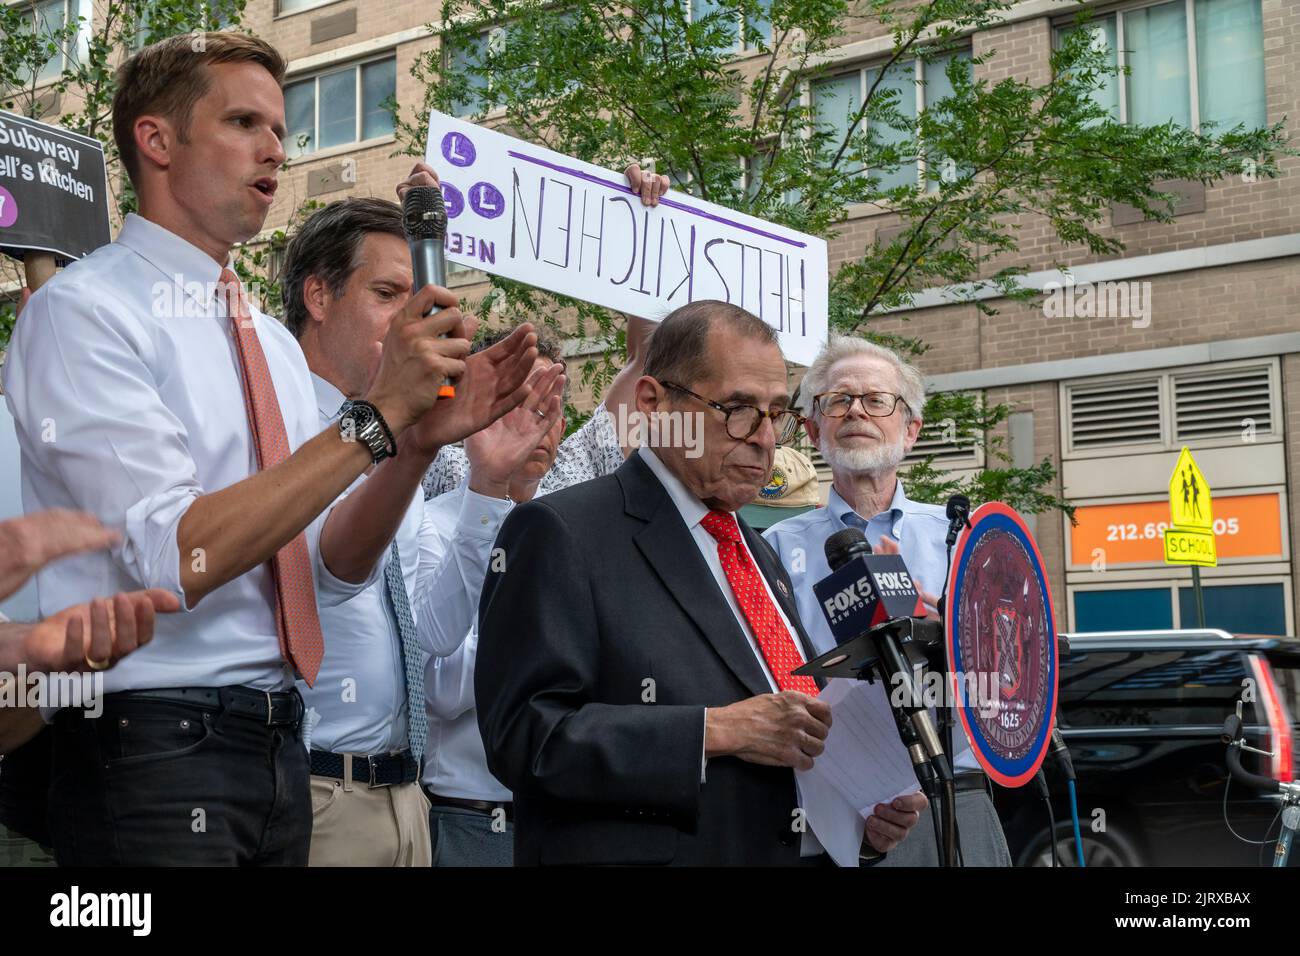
x: 1040, y: 779
x: 938, y: 832
x: 952, y: 849
x: 945, y: 719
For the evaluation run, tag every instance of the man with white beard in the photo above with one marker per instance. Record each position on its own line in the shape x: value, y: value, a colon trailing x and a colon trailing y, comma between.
x: 863, y: 408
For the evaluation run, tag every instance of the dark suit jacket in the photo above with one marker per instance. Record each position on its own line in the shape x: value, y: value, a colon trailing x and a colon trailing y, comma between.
x: 600, y: 644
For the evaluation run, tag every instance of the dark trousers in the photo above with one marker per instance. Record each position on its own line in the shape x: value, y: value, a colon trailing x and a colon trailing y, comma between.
x: 464, y: 837
x: 152, y: 783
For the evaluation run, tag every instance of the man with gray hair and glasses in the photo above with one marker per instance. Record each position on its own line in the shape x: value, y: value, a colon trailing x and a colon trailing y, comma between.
x: 863, y: 406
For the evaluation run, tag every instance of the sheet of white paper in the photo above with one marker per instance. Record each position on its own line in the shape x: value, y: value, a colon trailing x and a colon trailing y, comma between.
x: 864, y: 764
x: 309, y: 722
x: 834, y: 821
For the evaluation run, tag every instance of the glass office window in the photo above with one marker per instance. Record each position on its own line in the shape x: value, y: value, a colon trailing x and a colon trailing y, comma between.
x: 1237, y: 608
x: 1126, y: 609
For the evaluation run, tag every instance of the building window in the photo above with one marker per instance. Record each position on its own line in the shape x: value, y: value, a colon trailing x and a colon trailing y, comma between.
x: 1237, y: 608
x: 340, y: 107
x: 759, y: 20
x: 1244, y: 608
x: 47, y: 18
x: 1189, y: 61
x: 916, y: 86
x: 217, y: 15
x: 468, y: 60
x: 283, y: 7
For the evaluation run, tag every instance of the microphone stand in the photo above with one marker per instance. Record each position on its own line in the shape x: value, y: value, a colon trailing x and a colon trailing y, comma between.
x: 956, y: 522
x: 928, y: 756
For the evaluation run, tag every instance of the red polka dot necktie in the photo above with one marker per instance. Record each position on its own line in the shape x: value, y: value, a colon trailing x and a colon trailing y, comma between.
x: 774, y: 638
x: 298, y: 624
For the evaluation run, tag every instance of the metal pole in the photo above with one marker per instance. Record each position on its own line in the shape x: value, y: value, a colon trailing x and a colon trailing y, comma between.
x: 1198, y: 595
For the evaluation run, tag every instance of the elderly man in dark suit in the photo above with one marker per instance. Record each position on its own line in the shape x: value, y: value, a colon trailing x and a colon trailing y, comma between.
x: 637, y: 639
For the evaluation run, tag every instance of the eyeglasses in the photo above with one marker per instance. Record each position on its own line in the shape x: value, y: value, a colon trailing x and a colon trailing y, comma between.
x: 743, y: 420
x: 875, y: 404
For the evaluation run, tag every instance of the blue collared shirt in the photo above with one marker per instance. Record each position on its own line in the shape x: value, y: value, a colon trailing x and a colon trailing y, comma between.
x: 919, y: 529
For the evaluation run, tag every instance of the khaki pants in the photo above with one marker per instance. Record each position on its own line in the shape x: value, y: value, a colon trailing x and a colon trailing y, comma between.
x: 355, y: 825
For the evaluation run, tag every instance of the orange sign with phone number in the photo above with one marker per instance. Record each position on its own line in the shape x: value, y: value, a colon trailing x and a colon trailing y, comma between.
x: 1245, y: 526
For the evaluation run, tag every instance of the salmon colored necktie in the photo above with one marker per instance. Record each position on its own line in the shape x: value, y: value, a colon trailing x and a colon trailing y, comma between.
x: 774, y: 638
x: 301, y: 642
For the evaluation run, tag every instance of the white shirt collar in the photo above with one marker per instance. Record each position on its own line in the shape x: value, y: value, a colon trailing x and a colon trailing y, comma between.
x: 328, y: 398
x: 178, y: 260
x: 692, y: 508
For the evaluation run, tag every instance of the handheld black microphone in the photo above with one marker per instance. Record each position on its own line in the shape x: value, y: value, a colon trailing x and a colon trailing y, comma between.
x: 424, y: 220
x: 958, y: 517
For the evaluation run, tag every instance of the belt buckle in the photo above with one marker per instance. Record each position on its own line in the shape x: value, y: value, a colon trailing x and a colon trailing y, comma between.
x: 269, y: 707
x: 370, y: 760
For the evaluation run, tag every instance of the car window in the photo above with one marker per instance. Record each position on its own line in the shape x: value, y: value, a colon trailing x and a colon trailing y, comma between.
x: 1150, y: 688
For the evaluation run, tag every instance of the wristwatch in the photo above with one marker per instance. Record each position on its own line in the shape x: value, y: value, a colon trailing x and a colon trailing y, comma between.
x: 361, y: 421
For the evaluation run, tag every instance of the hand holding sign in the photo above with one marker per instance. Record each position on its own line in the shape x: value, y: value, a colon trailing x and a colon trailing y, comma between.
x: 651, y: 187
x: 53, y: 195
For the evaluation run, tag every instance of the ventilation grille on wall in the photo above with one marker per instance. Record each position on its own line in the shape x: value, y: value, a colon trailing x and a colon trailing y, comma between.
x: 1210, y: 404
x: 1115, y: 413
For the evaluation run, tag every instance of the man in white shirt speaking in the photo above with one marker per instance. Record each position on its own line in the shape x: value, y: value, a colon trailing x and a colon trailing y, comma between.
x: 148, y: 391
x: 347, y: 274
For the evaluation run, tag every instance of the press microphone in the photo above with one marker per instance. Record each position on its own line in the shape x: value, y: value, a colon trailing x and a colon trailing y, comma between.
x: 424, y: 220
x: 874, y: 594
x: 870, y: 600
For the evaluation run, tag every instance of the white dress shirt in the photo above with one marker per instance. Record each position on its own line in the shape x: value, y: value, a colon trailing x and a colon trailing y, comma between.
x: 693, y: 511
x: 360, y: 693
x: 126, y: 393
x: 455, y: 763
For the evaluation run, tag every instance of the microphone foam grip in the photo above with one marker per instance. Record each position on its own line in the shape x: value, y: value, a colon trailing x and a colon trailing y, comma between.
x: 843, y: 545
x: 424, y: 215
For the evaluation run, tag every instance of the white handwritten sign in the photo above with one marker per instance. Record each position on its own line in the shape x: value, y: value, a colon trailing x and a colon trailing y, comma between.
x: 537, y: 216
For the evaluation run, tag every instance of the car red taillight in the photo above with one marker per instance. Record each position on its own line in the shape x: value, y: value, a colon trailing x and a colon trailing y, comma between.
x: 1279, y: 721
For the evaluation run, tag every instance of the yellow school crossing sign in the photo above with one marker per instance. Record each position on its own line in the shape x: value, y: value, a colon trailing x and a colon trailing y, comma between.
x: 1191, y: 539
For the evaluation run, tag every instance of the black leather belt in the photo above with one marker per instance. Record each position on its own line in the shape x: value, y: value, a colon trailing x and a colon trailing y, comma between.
x: 375, y: 770
x: 270, y: 708
x: 970, y: 780
x: 485, y: 807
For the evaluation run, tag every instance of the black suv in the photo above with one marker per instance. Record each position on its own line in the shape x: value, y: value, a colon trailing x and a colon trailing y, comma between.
x: 1142, y: 713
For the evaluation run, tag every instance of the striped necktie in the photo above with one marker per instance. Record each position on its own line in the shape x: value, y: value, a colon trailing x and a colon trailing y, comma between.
x: 412, y: 663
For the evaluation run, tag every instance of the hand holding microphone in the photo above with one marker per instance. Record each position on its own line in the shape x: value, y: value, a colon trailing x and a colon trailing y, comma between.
x: 424, y: 220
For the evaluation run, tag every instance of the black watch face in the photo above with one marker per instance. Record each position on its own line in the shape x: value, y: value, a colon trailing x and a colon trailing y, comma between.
x: 360, y: 416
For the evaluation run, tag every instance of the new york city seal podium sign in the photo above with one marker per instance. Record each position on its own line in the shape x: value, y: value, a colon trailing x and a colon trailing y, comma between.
x: 1191, y: 539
